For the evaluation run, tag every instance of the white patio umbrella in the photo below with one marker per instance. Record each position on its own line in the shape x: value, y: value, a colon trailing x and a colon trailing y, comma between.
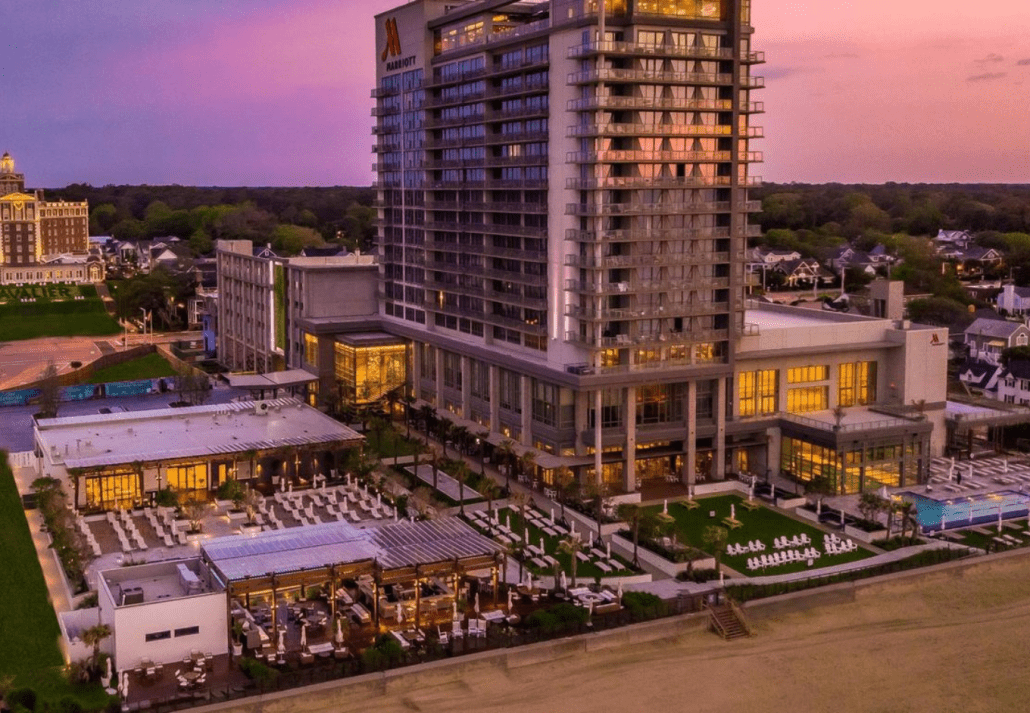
x: 999, y: 518
x: 942, y: 521
x: 379, y: 499
x: 304, y: 636
x: 511, y: 598
x: 339, y: 632
x: 125, y: 685
x: 563, y: 580
x: 454, y: 608
x: 573, y: 530
x: 507, y: 520
x: 400, y: 613
x: 552, y: 516
x: 110, y: 672
x: 818, y: 507
x: 542, y: 549
x: 1005, y: 465
x: 751, y: 491
x: 476, y: 605
x: 951, y: 469
x: 525, y: 537
x: 665, y: 507
x: 970, y: 473
x: 608, y: 549
x: 289, y: 486
x: 733, y: 511
x: 773, y: 485
x: 619, y: 592
x: 722, y: 578
x: 120, y: 684
x: 281, y: 648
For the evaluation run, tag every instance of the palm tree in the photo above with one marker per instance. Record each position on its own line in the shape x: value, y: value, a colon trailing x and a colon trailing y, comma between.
x: 426, y: 414
x: 563, y: 478
x: 572, y: 547
x: 489, y: 490
x: 520, y: 500
x: 460, y: 436
x: 631, y: 513
x: 506, y: 450
x: 461, y: 474
x: 527, y: 464
x: 444, y: 428
x: 715, y: 538
x: 889, y: 508
x: 909, y: 516
x: 92, y: 637
x: 409, y: 401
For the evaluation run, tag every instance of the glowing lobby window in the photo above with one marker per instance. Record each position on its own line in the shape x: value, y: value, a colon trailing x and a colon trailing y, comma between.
x: 857, y: 383
x: 808, y: 398
x: 187, y: 477
x: 311, y: 349
x: 757, y: 392
x: 112, y: 491
x: 807, y: 462
x: 367, y: 373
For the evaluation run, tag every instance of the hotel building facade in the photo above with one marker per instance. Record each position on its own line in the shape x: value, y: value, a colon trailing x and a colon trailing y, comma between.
x: 563, y: 195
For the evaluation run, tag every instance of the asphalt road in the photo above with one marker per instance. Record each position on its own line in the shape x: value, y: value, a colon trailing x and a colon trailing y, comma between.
x: 16, y: 421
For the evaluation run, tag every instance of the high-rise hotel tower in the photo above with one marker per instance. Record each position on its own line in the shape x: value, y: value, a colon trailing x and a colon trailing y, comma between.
x: 563, y: 205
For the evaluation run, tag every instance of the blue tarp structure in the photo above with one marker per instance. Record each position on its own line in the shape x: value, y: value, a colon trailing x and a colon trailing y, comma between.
x: 17, y: 398
x: 129, y: 388
x: 79, y: 392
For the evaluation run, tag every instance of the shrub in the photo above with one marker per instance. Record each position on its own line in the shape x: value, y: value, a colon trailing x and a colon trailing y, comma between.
x: 231, y: 490
x: 166, y: 497
x: 386, y: 650
x: 24, y: 697
x: 698, y: 575
x: 257, y: 671
x: 639, y: 602
x: 557, y: 618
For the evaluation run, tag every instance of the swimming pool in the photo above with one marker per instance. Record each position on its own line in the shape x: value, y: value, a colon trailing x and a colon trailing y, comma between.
x: 966, y: 511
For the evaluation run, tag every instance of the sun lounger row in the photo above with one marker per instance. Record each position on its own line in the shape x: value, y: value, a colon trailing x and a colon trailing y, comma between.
x: 742, y: 548
x: 781, y: 557
x: 782, y: 543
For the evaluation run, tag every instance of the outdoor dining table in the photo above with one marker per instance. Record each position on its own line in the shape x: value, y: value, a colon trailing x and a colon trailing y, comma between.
x: 191, y: 676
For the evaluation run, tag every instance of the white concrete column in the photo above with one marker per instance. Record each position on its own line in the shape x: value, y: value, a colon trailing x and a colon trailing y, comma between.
x: 526, y: 394
x: 629, y: 475
x: 598, y: 443
x: 720, y: 429
x: 495, y: 398
x: 690, y: 464
x: 466, y: 387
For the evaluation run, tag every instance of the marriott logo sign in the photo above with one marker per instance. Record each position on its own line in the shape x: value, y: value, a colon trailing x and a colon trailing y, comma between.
x: 393, y: 48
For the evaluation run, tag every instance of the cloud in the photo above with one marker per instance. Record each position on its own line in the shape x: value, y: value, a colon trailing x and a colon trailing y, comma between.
x: 841, y: 55
x: 1023, y: 62
x: 988, y: 76
x: 783, y: 72
x: 992, y: 58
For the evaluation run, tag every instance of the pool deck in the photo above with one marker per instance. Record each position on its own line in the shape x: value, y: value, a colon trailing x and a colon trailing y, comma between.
x: 979, y: 477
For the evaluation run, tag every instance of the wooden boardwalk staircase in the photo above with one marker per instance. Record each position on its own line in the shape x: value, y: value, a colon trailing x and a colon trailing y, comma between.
x: 728, y: 621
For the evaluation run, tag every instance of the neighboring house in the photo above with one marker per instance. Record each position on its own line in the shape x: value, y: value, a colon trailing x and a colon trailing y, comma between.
x: 769, y: 256
x: 326, y: 251
x: 986, y: 339
x: 136, y: 252
x: 975, y: 259
x: 803, y: 272
x: 170, y: 255
x: 960, y: 239
x: 1014, y: 300
x: 979, y: 375
x: 1013, y: 383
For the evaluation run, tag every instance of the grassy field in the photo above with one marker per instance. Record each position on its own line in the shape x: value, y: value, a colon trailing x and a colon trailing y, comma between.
x: 152, y: 366
x: 28, y: 626
x: 54, y: 312
x: 760, y: 524
x: 585, y: 571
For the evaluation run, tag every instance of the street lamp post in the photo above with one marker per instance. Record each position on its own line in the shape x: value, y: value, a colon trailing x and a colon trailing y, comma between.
x: 144, y: 311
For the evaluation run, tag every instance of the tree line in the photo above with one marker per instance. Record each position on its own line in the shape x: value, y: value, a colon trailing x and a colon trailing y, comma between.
x: 287, y: 218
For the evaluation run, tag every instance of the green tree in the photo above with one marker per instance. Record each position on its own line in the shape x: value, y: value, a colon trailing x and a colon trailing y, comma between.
x: 92, y: 637
x: 571, y: 546
x: 715, y: 538
x: 631, y: 513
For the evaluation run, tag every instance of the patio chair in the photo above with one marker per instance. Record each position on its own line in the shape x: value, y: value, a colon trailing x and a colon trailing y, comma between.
x: 442, y: 636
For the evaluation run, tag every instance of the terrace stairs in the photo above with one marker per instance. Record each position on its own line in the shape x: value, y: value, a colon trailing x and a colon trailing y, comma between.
x: 727, y: 620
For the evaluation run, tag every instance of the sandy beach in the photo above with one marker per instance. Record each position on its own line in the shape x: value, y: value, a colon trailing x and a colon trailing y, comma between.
x: 950, y: 641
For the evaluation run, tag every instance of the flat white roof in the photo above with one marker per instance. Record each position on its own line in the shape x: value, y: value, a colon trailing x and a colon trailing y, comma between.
x: 769, y: 317
x: 400, y: 544
x: 165, y: 434
x: 271, y: 380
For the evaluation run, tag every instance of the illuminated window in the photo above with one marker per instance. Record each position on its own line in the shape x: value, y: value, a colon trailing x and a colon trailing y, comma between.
x: 311, y: 349
x: 807, y: 374
x: 807, y: 398
x: 368, y: 373
x: 187, y: 477
x: 757, y: 392
x: 112, y: 491
x: 857, y: 383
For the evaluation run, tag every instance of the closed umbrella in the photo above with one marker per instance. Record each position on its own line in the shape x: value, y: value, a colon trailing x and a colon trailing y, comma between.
x: 476, y: 605
x: 665, y: 507
x: 608, y: 549
x: 511, y: 598
x: 563, y: 580
x: 339, y: 632
x: 619, y: 592
x: 281, y: 648
x: 110, y: 672
x: 552, y: 516
x: 400, y: 613
x: 999, y: 518
x: 304, y: 636
x: 125, y: 686
x: 542, y: 548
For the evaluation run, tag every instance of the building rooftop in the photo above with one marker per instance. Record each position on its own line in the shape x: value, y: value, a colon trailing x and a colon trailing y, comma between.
x: 271, y: 380
x: 164, y: 434
x: 171, y: 579
x: 768, y: 317
x: 400, y: 544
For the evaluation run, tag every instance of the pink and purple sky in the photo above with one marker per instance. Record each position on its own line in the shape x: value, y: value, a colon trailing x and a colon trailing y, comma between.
x: 276, y: 92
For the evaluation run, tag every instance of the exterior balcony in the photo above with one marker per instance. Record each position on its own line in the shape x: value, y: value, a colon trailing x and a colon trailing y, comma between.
x: 587, y: 210
x: 652, y: 104
x: 587, y: 288
x: 631, y: 235
x: 487, y: 207
x: 627, y: 156
x: 499, y: 184
x: 649, y: 76
x: 385, y: 110
x: 640, y: 49
x: 617, y: 261
x: 671, y: 130
x: 380, y: 92
x: 698, y: 309
x: 646, y: 182
x: 651, y: 339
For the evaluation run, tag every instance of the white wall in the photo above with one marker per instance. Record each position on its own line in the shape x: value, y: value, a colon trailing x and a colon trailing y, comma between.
x: 133, y: 622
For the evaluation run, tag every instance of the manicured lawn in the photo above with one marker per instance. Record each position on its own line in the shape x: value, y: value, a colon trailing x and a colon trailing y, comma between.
x: 389, y: 443
x: 55, y: 313
x: 28, y: 626
x: 151, y: 366
x: 585, y: 571
x: 986, y: 542
x: 760, y: 524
